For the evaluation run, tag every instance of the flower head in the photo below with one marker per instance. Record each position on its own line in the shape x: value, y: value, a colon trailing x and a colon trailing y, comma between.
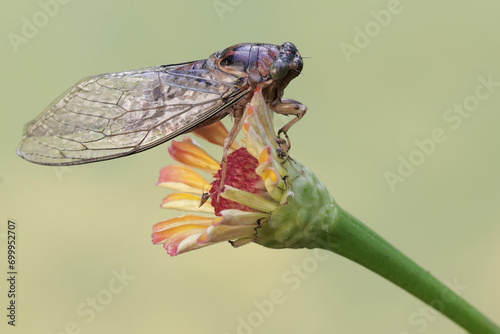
x: 266, y: 197
x: 254, y: 185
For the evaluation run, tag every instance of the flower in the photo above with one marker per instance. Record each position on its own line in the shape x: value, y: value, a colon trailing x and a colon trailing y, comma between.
x: 254, y: 186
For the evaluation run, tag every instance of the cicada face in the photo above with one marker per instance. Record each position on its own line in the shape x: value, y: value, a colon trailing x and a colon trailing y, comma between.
x: 112, y: 115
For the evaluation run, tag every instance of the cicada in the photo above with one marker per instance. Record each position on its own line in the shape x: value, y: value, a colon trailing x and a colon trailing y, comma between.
x: 113, y: 115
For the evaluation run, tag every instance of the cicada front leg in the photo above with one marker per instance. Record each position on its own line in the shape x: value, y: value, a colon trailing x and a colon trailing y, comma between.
x: 239, y: 120
x: 289, y: 107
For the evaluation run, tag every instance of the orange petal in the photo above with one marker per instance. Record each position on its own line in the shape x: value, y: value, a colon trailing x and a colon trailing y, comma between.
x: 184, y: 242
x: 181, y: 221
x: 250, y: 110
x: 190, y: 154
x: 270, y: 175
x: 182, y: 178
x: 246, y: 127
x: 188, y: 202
x: 265, y: 155
x: 166, y: 234
x: 215, y: 134
x: 225, y: 233
x: 265, y: 162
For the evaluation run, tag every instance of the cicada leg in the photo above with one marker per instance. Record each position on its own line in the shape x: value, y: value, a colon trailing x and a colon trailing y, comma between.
x: 289, y: 107
x: 239, y: 120
x: 281, y: 151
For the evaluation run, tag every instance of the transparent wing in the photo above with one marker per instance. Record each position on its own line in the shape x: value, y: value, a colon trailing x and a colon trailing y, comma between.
x: 116, y: 114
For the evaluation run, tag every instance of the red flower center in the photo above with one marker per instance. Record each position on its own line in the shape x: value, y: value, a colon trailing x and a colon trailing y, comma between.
x: 240, y: 174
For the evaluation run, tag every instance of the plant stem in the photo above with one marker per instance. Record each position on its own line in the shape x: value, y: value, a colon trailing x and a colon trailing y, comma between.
x: 350, y: 238
x: 312, y: 219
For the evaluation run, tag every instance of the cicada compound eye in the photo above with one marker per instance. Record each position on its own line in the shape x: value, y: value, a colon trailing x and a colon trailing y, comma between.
x: 278, y: 69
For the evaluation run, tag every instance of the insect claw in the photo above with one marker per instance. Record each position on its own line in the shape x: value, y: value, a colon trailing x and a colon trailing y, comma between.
x: 281, y: 154
x: 282, y: 143
x: 204, y: 198
x: 282, y: 150
x: 284, y: 178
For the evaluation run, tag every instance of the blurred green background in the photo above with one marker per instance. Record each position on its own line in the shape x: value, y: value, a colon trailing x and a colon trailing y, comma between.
x: 371, y: 95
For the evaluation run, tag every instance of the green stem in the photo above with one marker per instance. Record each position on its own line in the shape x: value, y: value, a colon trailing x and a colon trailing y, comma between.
x: 350, y: 238
x: 312, y: 219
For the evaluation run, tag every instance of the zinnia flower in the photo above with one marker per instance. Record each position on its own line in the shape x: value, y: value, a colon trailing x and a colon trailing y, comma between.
x: 254, y: 186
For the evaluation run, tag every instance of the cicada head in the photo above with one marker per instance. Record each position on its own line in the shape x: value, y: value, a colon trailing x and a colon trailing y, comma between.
x: 287, y: 65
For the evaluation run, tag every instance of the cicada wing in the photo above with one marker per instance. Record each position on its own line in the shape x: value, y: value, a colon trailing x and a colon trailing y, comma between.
x: 116, y: 114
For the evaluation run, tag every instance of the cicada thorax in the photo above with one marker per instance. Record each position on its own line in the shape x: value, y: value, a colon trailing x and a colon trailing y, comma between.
x: 248, y: 59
